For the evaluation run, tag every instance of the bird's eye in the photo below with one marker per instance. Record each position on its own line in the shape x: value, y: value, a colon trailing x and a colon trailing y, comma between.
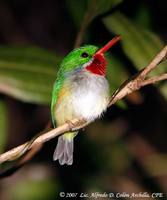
x: 84, y: 55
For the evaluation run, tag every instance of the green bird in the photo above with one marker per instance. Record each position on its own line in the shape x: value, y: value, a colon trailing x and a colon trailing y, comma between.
x: 81, y: 90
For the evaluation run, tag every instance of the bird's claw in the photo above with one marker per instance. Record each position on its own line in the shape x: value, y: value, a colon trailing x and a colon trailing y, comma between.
x: 77, y: 125
x: 70, y: 124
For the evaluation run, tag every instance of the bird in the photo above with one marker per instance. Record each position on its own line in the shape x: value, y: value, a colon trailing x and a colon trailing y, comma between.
x: 81, y: 90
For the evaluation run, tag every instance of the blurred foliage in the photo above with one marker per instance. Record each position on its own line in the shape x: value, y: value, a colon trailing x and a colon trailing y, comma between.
x: 143, y: 16
x: 3, y: 125
x: 33, y: 189
x: 28, y: 73
x: 89, y: 9
x: 139, y: 45
x: 113, y: 161
x: 35, y: 182
x: 115, y: 66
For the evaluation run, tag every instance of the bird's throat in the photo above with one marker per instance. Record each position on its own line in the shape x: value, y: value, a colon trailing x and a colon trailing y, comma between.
x: 98, y: 65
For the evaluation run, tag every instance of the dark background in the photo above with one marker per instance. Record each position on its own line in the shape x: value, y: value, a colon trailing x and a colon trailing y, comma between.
x: 122, y: 152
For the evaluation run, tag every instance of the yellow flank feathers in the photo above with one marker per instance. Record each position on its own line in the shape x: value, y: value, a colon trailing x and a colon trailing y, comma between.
x: 63, y: 110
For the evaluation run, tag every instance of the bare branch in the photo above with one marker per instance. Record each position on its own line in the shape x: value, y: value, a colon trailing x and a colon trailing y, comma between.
x: 139, y: 80
x: 129, y: 86
x: 162, y: 56
x: 154, y: 79
x: 12, y: 154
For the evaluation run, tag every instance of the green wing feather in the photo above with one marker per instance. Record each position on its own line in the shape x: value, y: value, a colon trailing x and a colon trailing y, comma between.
x: 56, y: 88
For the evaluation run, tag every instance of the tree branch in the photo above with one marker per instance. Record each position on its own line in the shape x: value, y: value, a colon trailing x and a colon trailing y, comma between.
x: 12, y: 154
x: 154, y: 79
x: 139, y: 80
x: 129, y: 86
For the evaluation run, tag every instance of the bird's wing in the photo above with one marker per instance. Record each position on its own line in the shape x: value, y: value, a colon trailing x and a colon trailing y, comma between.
x: 55, y: 92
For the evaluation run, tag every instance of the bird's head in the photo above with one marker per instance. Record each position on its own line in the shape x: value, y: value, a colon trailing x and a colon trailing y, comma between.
x: 89, y: 58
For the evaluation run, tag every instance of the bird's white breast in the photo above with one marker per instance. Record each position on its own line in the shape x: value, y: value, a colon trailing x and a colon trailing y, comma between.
x: 89, y: 94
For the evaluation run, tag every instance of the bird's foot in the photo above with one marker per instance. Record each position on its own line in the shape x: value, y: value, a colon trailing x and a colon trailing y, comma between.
x: 70, y: 124
x: 73, y: 126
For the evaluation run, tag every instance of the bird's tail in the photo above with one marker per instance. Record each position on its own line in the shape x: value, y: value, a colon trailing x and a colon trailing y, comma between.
x: 64, y: 149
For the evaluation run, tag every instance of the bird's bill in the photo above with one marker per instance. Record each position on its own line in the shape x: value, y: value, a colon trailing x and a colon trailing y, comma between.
x: 108, y: 45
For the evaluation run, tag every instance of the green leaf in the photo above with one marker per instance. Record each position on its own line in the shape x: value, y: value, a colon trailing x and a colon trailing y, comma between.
x: 3, y: 124
x: 139, y: 45
x: 90, y: 8
x: 98, y: 7
x: 143, y: 15
x: 77, y: 10
x: 28, y: 73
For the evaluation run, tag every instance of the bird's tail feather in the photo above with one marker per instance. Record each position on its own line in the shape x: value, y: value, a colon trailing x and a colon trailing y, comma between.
x: 64, y: 149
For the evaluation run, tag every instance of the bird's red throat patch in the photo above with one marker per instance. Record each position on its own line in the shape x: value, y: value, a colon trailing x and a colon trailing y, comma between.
x: 98, y: 65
